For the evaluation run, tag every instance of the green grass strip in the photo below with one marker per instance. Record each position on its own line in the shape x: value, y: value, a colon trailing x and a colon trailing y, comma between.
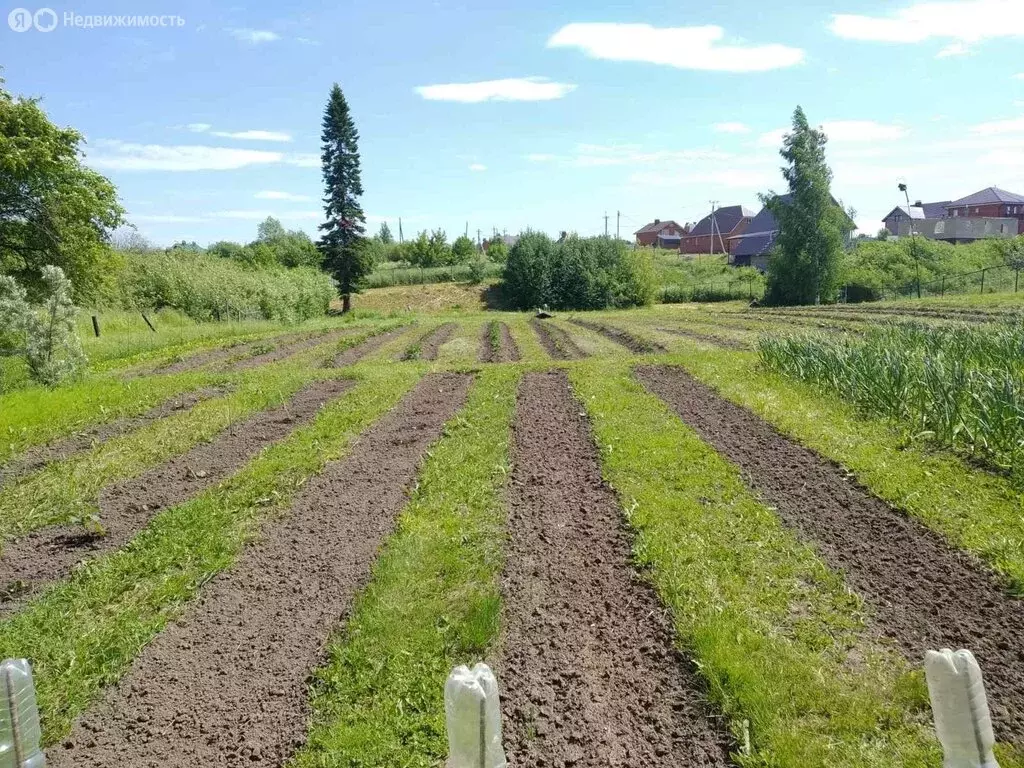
x: 775, y: 633
x: 975, y: 510
x: 36, y: 416
x: 83, y: 633
x: 530, y: 348
x: 433, y: 602
x: 68, y: 490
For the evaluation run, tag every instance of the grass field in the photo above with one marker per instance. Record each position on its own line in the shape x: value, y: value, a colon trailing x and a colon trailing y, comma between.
x: 677, y: 535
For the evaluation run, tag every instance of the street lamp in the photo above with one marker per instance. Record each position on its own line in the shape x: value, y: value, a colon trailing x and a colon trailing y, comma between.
x: 913, y: 242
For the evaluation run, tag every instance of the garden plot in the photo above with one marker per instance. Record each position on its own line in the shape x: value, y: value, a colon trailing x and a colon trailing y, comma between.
x: 589, y: 671
x: 427, y: 346
x: 497, y: 344
x: 556, y: 341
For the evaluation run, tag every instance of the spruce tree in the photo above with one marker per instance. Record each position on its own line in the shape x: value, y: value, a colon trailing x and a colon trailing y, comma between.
x: 803, y: 267
x: 342, y: 243
x: 385, y: 234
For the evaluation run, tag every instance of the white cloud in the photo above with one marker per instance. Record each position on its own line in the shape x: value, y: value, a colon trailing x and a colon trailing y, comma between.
x: 725, y: 177
x: 253, y: 36
x: 509, y: 89
x: 254, y: 135
x: 1019, y: 76
x: 303, y: 160
x: 158, y: 218
x: 953, y: 49
x: 477, y: 167
x: 732, y: 128
x: 962, y: 21
x: 199, y: 127
x: 683, y: 47
x: 307, y: 41
x: 996, y: 127
x: 249, y: 215
x: 269, y: 194
x: 125, y: 156
x: 844, y: 131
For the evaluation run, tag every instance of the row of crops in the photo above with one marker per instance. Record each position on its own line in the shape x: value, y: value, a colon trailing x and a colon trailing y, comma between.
x: 958, y: 386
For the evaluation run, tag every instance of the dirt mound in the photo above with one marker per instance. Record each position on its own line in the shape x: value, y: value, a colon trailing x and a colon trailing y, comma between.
x: 507, y: 351
x: 226, y: 684
x: 556, y: 341
x: 430, y: 343
x: 923, y: 592
x: 703, y: 337
x: 621, y: 337
x: 353, y: 355
x: 589, y: 673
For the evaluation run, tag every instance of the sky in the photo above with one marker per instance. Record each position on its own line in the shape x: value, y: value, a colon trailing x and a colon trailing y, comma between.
x: 531, y: 114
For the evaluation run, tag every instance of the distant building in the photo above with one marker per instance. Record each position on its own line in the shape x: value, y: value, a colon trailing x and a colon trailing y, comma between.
x: 989, y: 203
x: 753, y: 247
x: 659, y: 231
x: 918, y: 211
x: 960, y: 229
x: 711, y: 234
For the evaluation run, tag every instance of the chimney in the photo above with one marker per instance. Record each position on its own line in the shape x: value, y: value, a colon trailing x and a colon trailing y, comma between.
x: 657, y: 221
x: 917, y: 204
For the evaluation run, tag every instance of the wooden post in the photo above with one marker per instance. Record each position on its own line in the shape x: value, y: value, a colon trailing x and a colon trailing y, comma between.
x: 148, y: 323
x: 96, y: 326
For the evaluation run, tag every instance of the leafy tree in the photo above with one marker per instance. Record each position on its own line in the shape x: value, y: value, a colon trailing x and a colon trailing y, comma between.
x: 1013, y: 253
x: 342, y: 243
x: 385, y: 234
x: 270, y: 229
x: 883, y: 234
x: 225, y: 249
x: 497, y: 251
x: 53, y: 211
x: 462, y: 250
x: 186, y: 246
x: 803, y: 268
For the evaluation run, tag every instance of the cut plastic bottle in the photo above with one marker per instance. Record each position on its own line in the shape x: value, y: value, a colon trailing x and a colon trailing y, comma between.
x: 962, y: 720
x: 19, y: 718
x: 473, y: 714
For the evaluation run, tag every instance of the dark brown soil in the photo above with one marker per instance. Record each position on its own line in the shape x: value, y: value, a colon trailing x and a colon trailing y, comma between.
x: 707, y: 339
x: 354, y: 354
x: 508, y: 352
x: 923, y: 593
x: 430, y: 343
x: 285, y: 350
x: 589, y: 673
x: 45, y: 555
x: 556, y: 341
x: 621, y: 337
x: 226, y: 684
x: 224, y: 354
x: 36, y: 458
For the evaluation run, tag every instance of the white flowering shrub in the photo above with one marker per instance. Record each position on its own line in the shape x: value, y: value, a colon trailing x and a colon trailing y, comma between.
x: 44, y: 335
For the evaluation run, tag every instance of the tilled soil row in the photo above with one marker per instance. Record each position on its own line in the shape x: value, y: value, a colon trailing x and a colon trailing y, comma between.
x: 589, y: 673
x: 708, y: 339
x: 430, y: 343
x: 43, y: 556
x: 508, y: 352
x: 353, y: 355
x: 621, y: 337
x: 285, y: 350
x: 226, y: 684
x: 556, y: 341
x: 221, y: 354
x: 36, y: 458
x: 923, y: 593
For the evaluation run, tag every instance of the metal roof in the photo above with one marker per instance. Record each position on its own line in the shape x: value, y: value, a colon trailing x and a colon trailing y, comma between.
x: 726, y: 219
x: 753, y: 244
x: 656, y: 226
x: 988, y: 196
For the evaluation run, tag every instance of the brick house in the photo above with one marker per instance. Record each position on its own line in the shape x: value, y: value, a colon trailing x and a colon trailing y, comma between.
x: 711, y: 234
x: 989, y: 203
x: 664, y: 234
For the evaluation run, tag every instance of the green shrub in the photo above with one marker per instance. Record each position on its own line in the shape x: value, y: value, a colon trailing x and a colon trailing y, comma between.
x: 208, y: 288
x: 576, y: 273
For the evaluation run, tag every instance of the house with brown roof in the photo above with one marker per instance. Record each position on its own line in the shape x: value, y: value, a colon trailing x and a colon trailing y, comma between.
x: 711, y: 234
x: 988, y: 203
x: 664, y: 234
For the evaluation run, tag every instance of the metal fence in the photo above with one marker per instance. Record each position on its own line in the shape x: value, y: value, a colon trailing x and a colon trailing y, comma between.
x: 1000, y: 278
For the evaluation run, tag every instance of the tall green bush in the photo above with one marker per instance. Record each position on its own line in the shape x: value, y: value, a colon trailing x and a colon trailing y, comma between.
x: 576, y: 273
x: 209, y: 288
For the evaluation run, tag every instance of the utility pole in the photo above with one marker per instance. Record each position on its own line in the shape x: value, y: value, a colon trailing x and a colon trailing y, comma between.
x: 618, y: 215
x: 400, y: 238
x: 711, y: 252
x: 913, y: 242
x: 466, y: 233
x: 478, y: 244
x: 606, y: 223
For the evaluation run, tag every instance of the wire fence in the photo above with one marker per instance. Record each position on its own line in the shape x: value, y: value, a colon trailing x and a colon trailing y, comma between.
x: 999, y: 278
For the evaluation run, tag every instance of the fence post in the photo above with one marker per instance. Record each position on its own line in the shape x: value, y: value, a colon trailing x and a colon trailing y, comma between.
x: 96, y: 326
x: 983, y: 281
x: 943, y: 291
x: 1016, y: 278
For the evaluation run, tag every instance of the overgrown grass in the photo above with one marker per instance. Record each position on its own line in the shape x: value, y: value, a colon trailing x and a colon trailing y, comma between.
x: 494, y: 337
x: 457, y: 273
x: 433, y: 602
x: 960, y: 387
x: 777, y: 636
x: 83, y: 633
x: 975, y: 510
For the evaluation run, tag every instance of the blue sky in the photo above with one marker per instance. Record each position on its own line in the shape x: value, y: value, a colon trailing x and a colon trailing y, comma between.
x: 531, y: 114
